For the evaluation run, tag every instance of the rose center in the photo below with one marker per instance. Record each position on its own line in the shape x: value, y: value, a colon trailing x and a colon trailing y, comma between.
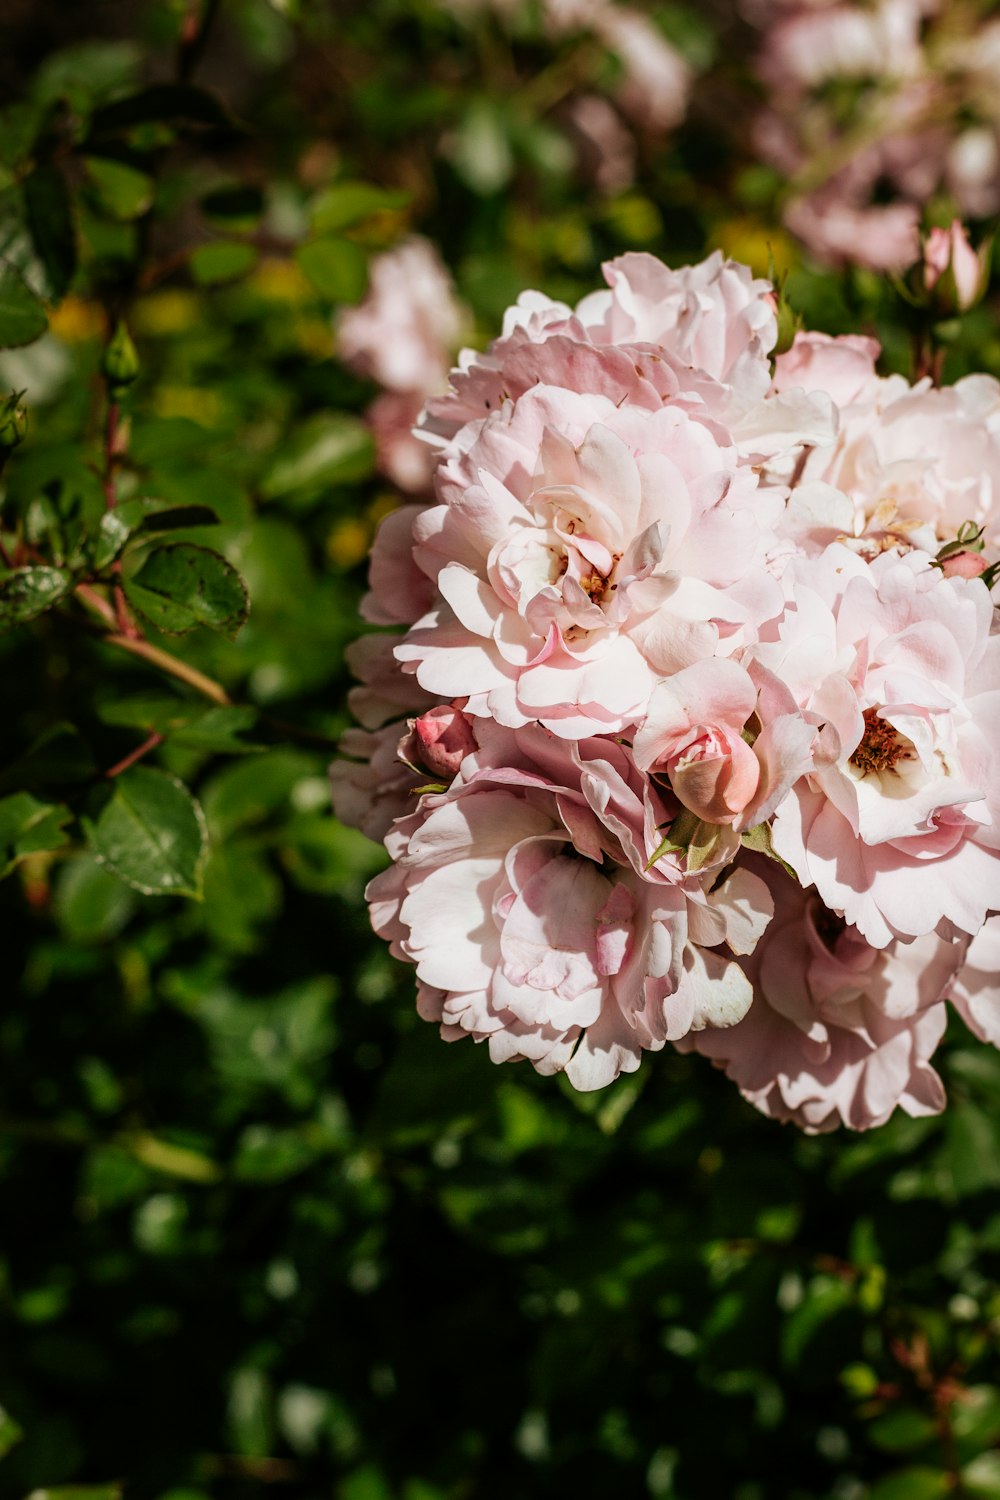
x: 881, y: 745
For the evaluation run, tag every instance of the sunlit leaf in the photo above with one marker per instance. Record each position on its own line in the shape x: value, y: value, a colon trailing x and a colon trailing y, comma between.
x: 150, y: 831
x: 182, y: 586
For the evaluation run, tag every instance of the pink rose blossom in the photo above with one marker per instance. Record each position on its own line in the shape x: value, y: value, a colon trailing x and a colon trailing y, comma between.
x: 526, y: 906
x: 897, y: 666
x: 694, y: 735
x: 580, y: 551
x: 839, y: 1033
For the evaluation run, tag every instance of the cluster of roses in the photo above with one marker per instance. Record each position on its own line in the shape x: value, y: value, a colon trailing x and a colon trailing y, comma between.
x: 688, y: 726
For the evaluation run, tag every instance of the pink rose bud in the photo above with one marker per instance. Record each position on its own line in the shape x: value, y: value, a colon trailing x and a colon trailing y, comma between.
x: 965, y: 565
x: 443, y: 739
x: 715, y: 776
x: 949, y: 250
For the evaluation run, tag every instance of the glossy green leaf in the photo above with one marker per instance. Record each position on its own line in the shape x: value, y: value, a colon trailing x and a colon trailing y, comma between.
x: 22, y: 316
x: 28, y: 592
x: 137, y: 519
x: 330, y: 448
x: 182, y: 586
x: 53, y: 231
x: 338, y: 269
x: 148, y: 829
x: 121, y: 191
x: 223, y: 260
x: 28, y: 826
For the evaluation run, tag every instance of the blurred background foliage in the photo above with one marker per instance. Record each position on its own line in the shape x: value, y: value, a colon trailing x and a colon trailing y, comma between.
x: 262, y: 1233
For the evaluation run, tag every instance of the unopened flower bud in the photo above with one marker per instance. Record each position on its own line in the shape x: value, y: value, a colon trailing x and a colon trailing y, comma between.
x: 120, y: 364
x: 965, y: 565
x: 956, y: 273
x: 13, y: 420
x: 443, y: 738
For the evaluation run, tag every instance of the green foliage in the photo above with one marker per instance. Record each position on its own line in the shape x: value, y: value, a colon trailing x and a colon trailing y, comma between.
x: 263, y: 1233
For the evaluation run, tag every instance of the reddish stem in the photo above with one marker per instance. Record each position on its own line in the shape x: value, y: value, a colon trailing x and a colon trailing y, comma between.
x: 135, y: 755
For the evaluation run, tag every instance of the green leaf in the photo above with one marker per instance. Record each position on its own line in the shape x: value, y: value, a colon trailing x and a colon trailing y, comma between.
x: 264, y: 1154
x: 902, y: 1429
x: 140, y: 519
x: 338, y: 269
x: 10, y: 1433
x: 223, y: 260
x: 121, y: 191
x: 150, y: 831
x: 825, y: 1298
x: 91, y: 906
x: 911, y: 1484
x: 758, y: 839
x: 976, y: 1419
x: 199, y: 726
x: 50, y: 222
x: 328, y: 449
x: 28, y: 826
x: 348, y: 203
x: 973, y: 1138
x: 22, y: 316
x: 242, y: 894
x: 29, y: 592
x: 251, y: 791
x: 173, y: 1161
x: 182, y: 586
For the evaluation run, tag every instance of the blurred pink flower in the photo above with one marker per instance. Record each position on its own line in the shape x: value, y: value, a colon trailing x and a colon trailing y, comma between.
x: 949, y: 251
